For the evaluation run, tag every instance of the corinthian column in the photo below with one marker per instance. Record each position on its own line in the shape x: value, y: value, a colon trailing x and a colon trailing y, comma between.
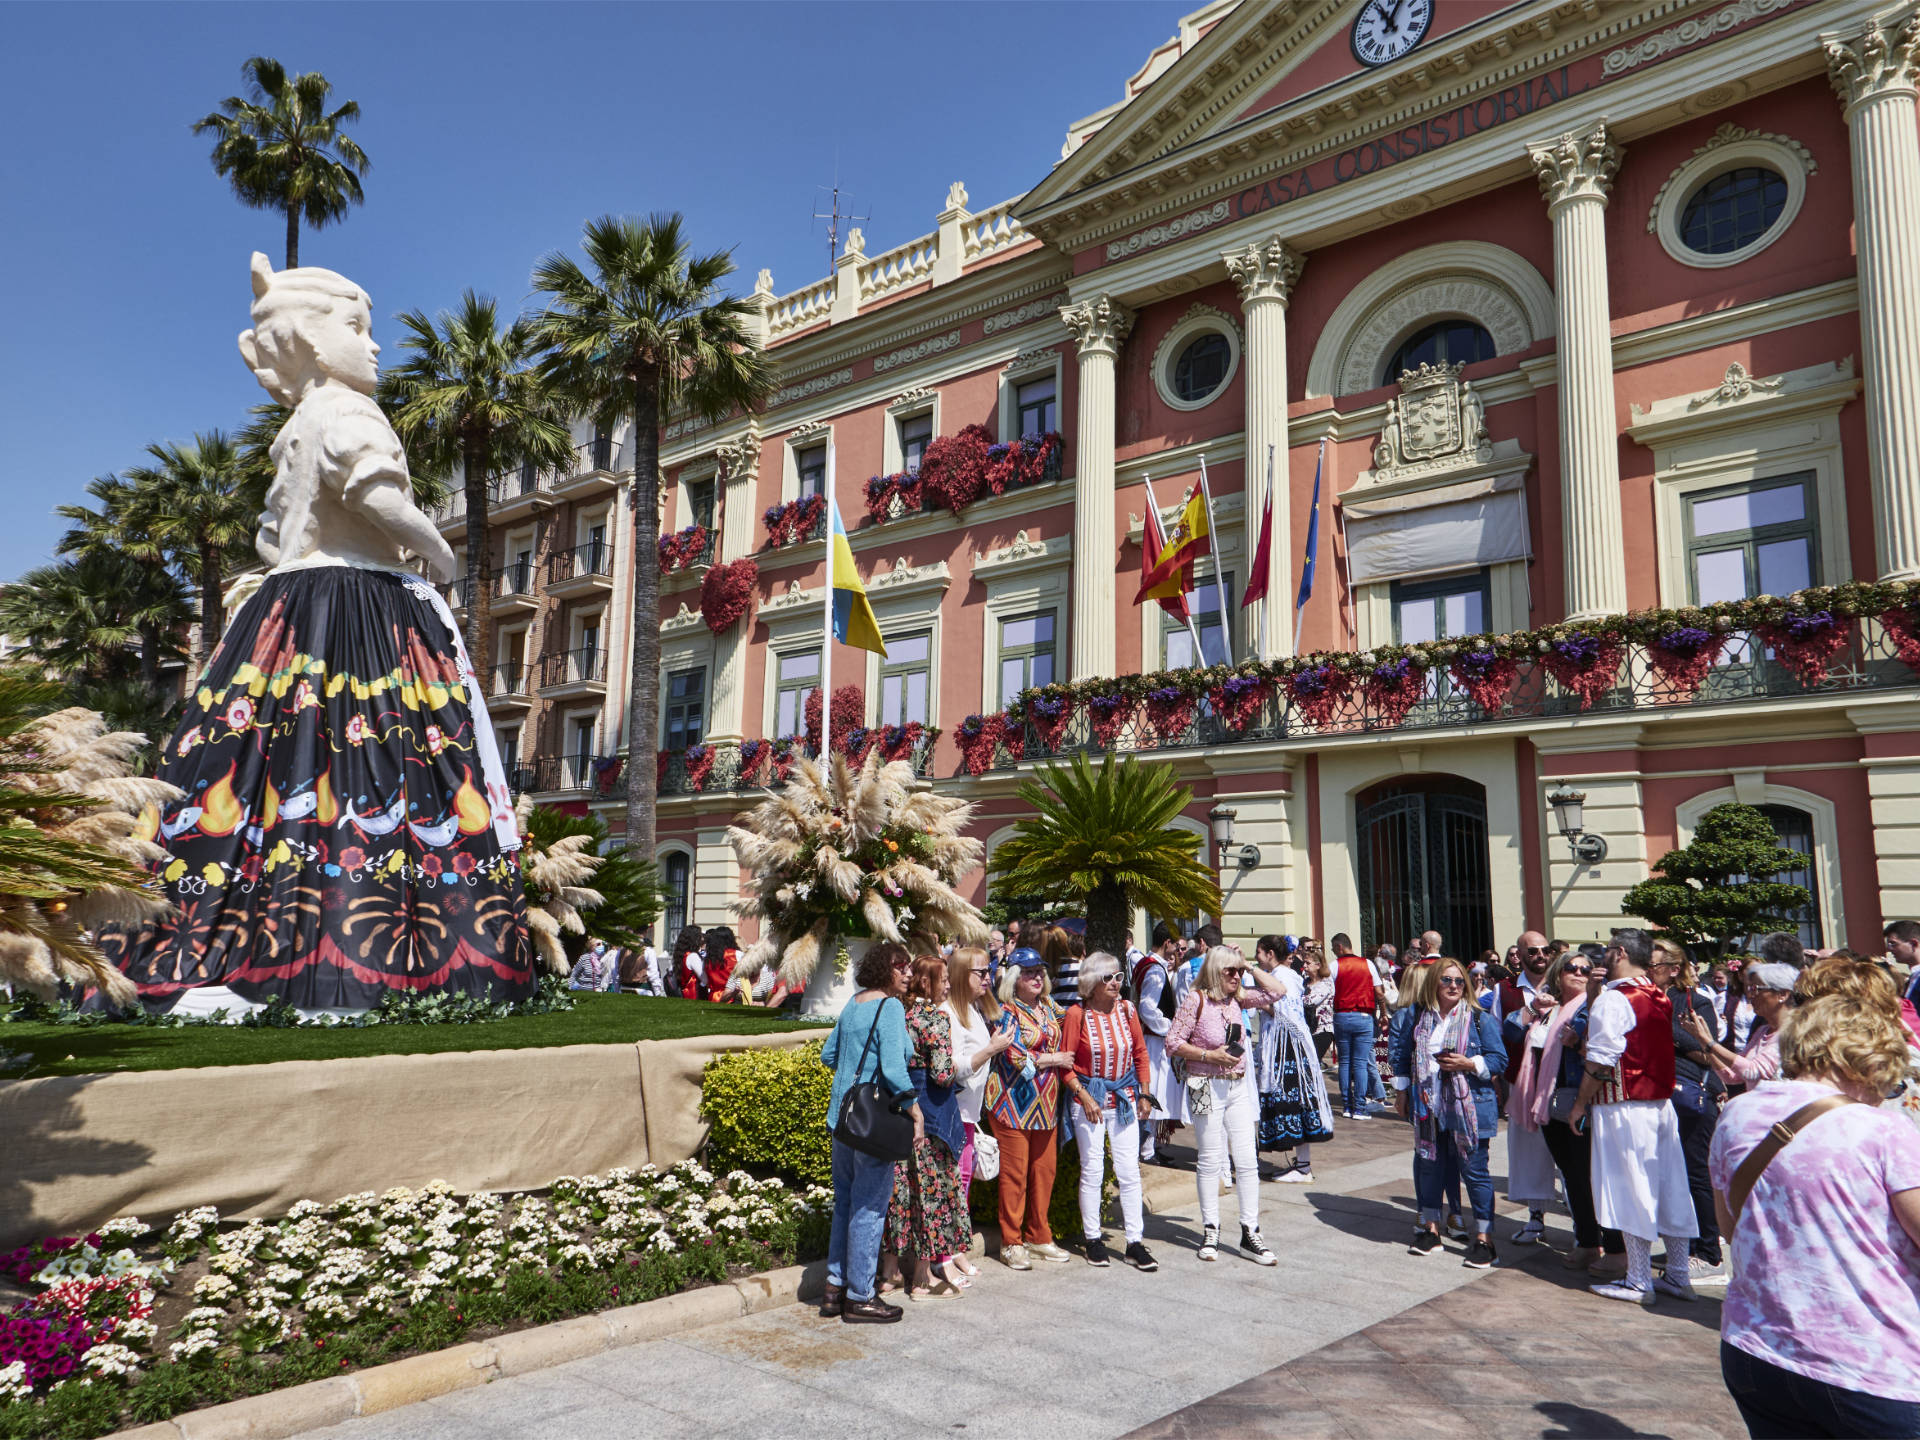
x: 1576, y: 171
x: 739, y: 467
x: 1873, y: 71
x: 1098, y: 326
x: 1266, y: 273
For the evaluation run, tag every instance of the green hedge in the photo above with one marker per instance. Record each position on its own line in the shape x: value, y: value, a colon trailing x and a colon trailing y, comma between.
x: 768, y: 1113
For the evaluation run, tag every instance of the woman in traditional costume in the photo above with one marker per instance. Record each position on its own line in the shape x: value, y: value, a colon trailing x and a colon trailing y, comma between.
x: 346, y: 829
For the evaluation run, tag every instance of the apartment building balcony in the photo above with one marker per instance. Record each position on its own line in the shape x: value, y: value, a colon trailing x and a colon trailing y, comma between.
x: 509, y: 688
x: 597, y: 467
x: 583, y: 570
x: 521, y: 778
x: 514, y: 593
x: 761, y: 764
x: 511, y: 495
x: 569, y: 774
x: 574, y: 674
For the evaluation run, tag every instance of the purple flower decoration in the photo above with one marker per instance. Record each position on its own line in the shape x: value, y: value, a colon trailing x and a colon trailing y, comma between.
x: 1810, y: 626
x: 1239, y: 686
x: 1478, y: 662
x: 1046, y: 708
x: 1105, y: 705
x: 1313, y: 680
x: 1394, y: 672
x: 1686, y: 640
x: 1578, y: 650
x: 1166, y: 695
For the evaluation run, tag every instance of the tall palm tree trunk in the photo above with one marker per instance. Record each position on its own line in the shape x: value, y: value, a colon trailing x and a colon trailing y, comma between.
x: 213, y: 613
x: 1109, y: 918
x: 293, y: 235
x: 643, y: 698
x: 479, y: 564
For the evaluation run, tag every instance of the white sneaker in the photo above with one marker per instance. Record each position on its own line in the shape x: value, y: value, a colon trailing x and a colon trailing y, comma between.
x: 1051, y: 1251
x: 1226, y: 1181
x: 1014, y: 1257
x: 1531, y: 1233
x: 1209, y: 1243
x: 1705, y: 1274
x: 1295, y: 1176
x: 1620, y: 1290
x: 1147, y: 1151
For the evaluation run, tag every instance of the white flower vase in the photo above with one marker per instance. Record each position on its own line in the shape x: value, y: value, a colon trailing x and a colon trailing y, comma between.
x: 832, y: 984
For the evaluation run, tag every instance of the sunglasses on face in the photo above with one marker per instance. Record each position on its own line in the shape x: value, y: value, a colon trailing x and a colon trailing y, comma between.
x: 1453, y: 980
x: 1536, y: 949
x: 1578, y: 970
x: 903, y: 964
x: 1113, y: 979
x: 982, y: 970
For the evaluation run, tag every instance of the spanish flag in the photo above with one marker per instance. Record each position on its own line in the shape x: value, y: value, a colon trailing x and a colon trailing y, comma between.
x: 1189, y: 539
x: 853, y: 622
x: 1171, y: 593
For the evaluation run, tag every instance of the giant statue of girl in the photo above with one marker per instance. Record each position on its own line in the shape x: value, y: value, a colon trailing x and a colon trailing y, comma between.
x: 346, y: 828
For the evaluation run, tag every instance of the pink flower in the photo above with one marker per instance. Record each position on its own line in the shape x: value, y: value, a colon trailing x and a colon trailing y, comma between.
x: 431, y: 866
x: 463, y: 864
x: 353, y: 857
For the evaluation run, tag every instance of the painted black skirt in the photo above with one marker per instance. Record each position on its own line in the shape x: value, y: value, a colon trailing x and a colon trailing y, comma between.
x: 346, y: 828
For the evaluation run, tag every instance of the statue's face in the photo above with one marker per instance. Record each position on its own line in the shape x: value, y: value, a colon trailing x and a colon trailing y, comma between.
x: 343, y: 347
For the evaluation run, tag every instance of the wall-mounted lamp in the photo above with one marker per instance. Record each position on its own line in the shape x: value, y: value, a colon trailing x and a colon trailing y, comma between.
x: 1569, y: 814
x: 1221, y: 817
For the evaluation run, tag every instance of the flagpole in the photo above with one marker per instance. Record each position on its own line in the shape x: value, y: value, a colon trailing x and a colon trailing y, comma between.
x: 1265, y: 521
x: 1199, y: 652
x: 826, y: 642
x: 1219, y: 579
x: 1319, y: 474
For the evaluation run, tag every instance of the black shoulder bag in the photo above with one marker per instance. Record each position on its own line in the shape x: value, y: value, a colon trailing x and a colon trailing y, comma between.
x: 870, y: 1120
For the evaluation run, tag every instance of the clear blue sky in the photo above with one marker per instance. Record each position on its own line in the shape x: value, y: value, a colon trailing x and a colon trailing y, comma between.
x: 495, y: 130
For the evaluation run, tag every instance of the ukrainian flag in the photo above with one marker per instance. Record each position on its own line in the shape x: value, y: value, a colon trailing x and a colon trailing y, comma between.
x: 853, y: 622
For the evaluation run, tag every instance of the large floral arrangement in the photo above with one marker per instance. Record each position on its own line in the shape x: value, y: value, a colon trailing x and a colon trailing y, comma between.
x: 1684, y: 654
x: 683, y: 547
x: 954, y: 467
x: 794, y: 521
x: 1393, y: 687
x: 1486, y: 672
x: 1048, y: 709
x: 727, y: 591
x: 849, y: 714
x: 853, y: 851
x: 1584, y: 661
x: 890, y: 496
x: 1317, y: 689
x: 1021, y: 462
x: 277, y: 1300
x: 1170, y: 710
x: 978, y: 737
x: 1238, y: 699
x: 1806, y: 643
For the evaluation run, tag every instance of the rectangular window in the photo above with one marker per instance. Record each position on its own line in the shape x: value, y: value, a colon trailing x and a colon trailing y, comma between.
x: 811, y: 463
x: 916, y: 433
x: 905, y: 676
x: 1026, y: 653
x: 677, y: 869
x: 1443, y: 609
x: 589, y: 643
x: 1034, y: 408
x: 796, y: 676
x: 509, y: 751
x: 686, y: 707
x: 580, y: 756
x: 699, y: 504
x: 519, y: 576
x: 1204, y: 603
x: 1752, y: 539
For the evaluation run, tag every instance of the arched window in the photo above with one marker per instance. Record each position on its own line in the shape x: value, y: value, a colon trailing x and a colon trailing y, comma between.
x: 1445, y: 342
x: 1733, y: 210
x: 676, y: 869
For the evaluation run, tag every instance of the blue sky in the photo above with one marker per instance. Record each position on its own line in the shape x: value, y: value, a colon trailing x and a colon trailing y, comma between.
x: 495, y: 131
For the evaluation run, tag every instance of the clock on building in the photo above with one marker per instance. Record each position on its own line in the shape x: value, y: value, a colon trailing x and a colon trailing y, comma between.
x: 1387, y: 29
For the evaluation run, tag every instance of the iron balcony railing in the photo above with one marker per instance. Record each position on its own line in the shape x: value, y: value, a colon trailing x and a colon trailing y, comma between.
x: 522, y: 778
x: 1747, y: 674
x: 565, y: 772
x: 726, y: 773
x: 571, y: 667
x: 508, y: 679
x: 593, y: 558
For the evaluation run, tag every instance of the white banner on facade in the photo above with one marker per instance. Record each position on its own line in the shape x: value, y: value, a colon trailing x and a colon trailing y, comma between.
x: 1405, y: 537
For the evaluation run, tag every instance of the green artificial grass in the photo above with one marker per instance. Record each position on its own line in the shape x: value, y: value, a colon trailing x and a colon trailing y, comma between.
x: 597, y: 1020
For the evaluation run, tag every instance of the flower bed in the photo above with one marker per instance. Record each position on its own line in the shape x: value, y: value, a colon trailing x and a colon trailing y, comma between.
x: 130, y: 1325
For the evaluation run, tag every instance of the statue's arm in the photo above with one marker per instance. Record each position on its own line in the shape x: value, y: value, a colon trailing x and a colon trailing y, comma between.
x: 376, y: 484
x: 392, y: 509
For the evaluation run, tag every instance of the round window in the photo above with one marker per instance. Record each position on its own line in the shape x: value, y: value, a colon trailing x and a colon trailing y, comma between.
x: 1733, y: 210
x: 1201, y: 367
x: 1446, y: 342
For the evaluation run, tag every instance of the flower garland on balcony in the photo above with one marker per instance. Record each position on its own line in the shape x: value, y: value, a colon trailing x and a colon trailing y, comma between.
x: 681, y: 549
x: 699, y: 760
x: 890, y: 497
x: 1048, y: 709
x: 1806, y: 630
x: 849, y: 714
x: 606, y: 773
x: 794, y: 521
x: 1021, y: 462
x: 727, y: 591
x: 957, y: 470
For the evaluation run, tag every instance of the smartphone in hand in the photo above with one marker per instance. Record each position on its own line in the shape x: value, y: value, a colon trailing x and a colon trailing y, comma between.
x: 1233, y: 1046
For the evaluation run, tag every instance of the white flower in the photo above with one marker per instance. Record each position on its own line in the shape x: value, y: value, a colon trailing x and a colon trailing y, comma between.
x: 202, y: 1316
x: 111, y: 1360
x: 137, y: 1331
x: 306, y: 1209
x: 193, y: 1345
x: 663, y: 1242
x: 13, y: 1381
x: 123, y: 1227
x: 229, y: 1263
x: 329, y: 1307
x: 217, y: 1289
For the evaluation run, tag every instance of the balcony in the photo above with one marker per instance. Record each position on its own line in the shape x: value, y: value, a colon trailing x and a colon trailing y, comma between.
x: 574, y: 774
x: 507, y: 688
x: 511, y: 495
x: 572, y: 674
x: 584, y: 570
x: 1747, y: 676
x: 521, y: 778
x: 597, y: 466
x: 726, y: 769
x: 688, y: 549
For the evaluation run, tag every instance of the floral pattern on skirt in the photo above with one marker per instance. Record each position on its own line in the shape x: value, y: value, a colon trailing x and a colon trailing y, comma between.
x: 928, y: 1213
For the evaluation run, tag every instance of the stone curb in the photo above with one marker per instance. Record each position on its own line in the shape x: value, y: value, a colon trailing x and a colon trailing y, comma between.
x: 283, y: 1413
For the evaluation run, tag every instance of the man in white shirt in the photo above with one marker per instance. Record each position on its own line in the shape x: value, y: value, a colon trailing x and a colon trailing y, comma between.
x: 1531, y: 1176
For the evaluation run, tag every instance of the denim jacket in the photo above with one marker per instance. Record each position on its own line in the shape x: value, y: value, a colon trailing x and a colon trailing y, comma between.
x: 1483, y: 1038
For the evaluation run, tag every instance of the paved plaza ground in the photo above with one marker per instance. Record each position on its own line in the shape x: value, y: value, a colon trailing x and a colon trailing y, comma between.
x: 1350, y: 1336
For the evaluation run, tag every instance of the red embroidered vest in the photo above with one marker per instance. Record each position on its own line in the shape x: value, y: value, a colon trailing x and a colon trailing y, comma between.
x: 1645, y: 1071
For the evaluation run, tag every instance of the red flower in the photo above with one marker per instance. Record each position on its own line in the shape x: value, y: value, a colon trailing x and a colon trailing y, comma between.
x: 250, y: 867
x: 431, y: 866
x: 353, y: 857
x: 463, y: 864
x: 726, y: 593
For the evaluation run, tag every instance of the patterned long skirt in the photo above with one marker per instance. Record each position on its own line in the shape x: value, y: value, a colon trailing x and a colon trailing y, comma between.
x: 1293, y: 1097
x: 927, y: 1216
x: 346, y: 829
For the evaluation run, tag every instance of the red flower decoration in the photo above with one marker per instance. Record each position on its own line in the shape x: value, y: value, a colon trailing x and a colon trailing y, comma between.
x: 1107, y: 716
x: 1585, y: 664
x: 727, y: 592
x: 1903, y: 629
x: 463, y: 864
x: 954, y: 467
x: 1393, y: 689
x: 1806, y: 644
x: 432, y: 866
x: 1486, y: 676
x: 353, y: 858
x: 1317, y: 690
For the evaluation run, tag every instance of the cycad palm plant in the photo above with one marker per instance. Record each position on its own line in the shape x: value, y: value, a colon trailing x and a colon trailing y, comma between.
x: 467, y: 391
x: 641, y: 331
x: 1106, y: 838
x: 281, y: 148
x: 192, y: 509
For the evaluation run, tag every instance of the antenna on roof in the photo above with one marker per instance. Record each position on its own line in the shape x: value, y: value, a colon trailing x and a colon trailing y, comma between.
x: 835, y: 215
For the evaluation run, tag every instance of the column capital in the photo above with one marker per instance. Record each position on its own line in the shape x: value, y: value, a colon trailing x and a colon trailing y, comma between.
x: 1098, y: 325
x: 1578, y: 165
x: 1265, y: 270
x: 1873, y: 61
x: 740, y: 457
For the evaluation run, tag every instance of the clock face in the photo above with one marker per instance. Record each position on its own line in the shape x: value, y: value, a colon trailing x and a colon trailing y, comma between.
x: 1388, y: 29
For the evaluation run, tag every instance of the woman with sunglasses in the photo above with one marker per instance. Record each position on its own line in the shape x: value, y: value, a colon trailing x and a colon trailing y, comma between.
x: 1023, y: 1098
x: 1769, y: 988
x: 1447, y: 1060
x: 1209, y: 1034
x: 973, y: 1017
x: 1107, y: 1083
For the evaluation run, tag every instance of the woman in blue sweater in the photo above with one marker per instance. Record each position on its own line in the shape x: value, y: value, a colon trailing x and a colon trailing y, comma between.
x: 1447, y: 1053
x: 862, y: 1185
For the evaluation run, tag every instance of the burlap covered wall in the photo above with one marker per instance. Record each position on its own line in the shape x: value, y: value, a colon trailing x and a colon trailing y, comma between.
x: 253, y: 1139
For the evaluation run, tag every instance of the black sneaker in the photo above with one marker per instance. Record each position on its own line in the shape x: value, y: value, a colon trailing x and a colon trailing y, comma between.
x: 1480, y: 1254
x: 1140, y: 1257
x: 1255, y: 1249
x: 1097, y: 1252
x: 1425, y: 1243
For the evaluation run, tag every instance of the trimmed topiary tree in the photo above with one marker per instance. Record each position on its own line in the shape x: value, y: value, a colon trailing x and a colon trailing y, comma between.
x: 1719, y: 888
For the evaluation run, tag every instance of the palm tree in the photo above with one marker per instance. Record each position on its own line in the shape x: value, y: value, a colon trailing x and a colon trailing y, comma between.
x: 115, y: 586
x: 192, y: 509
x: 467, y: 391
x: 646, y: 333
x: 1106, y: 838
x: 282, y: 149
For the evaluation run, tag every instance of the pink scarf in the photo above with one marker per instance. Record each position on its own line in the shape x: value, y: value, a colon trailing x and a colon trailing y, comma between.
x: 1540, y: 1071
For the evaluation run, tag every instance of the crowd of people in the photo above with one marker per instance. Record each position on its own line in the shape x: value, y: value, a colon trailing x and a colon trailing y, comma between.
x: 699, y: 965
x: 1658, y: 1102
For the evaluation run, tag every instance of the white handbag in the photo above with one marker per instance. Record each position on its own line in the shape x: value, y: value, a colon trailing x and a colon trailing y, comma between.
x: 986, y: 1155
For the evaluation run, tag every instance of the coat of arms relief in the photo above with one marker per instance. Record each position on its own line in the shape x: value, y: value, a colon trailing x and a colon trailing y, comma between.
x: 1437, y: 422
